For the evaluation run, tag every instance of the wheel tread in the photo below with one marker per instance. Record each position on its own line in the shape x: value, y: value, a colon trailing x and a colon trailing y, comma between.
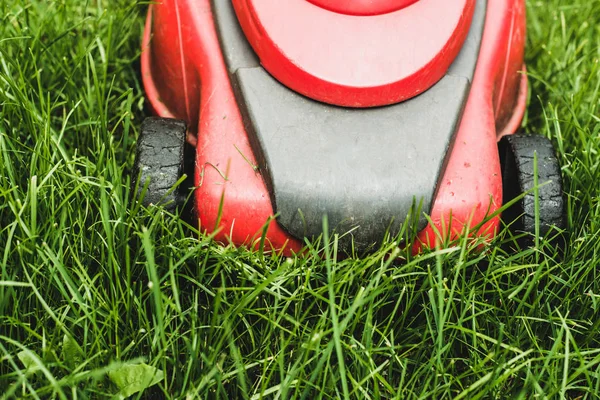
x: 160, y: 160
x: 517, y: 153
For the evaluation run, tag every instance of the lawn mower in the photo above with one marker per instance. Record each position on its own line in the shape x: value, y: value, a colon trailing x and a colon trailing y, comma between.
x: 384, y: 116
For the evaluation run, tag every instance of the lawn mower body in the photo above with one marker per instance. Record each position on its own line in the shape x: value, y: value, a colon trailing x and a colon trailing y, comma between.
x: 367, y: 112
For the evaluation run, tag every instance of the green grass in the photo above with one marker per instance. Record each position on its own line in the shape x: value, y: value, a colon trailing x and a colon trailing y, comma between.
x: 91, y: 283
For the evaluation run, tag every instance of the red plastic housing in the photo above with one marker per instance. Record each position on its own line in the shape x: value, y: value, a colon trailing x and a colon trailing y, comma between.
x: 356, y: 61
x: 185, y: 76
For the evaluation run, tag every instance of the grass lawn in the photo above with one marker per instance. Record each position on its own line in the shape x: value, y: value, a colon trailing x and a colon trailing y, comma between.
x: 101, y: 298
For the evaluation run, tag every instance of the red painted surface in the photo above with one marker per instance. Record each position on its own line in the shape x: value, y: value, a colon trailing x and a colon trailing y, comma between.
x: 471, y: 188
x: 356, y: 61
x: 185, y: 76
x: 363, y: 7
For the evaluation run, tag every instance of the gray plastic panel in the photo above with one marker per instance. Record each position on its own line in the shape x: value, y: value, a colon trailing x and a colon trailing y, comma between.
x: 237, y: 51
x: 465, y: 63
x: 363, y: 168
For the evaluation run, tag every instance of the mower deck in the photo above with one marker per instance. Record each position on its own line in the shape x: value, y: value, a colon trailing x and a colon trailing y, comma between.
x: 268, y: 144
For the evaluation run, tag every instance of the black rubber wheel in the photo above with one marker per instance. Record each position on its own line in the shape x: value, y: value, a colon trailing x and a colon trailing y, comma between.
x: 517, y: 161
x: 160, y: 160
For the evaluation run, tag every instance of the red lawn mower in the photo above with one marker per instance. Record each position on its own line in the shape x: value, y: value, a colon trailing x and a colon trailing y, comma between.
x: 374, y: 113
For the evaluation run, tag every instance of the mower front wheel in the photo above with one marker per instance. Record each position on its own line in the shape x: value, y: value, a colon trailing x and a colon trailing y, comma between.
x: 160, y: 162
x: 518, y: 156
